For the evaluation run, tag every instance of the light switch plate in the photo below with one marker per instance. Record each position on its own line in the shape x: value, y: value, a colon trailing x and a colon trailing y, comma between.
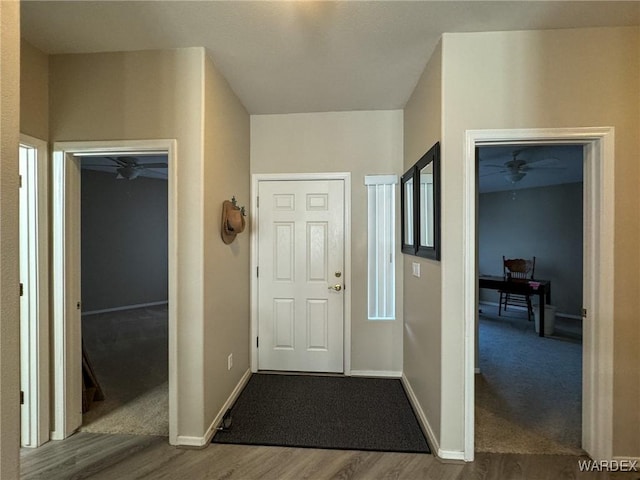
x: 416, y: 269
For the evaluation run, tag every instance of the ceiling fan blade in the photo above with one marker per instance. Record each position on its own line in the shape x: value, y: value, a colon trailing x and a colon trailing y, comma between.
x: 493, y: 166
x: 549, y: 160
x: 559, y: 169
x: 495, y: 155
x: 117, y: 161
x: 129, y: 161
x: 153, y: 165
x: 492, y: 173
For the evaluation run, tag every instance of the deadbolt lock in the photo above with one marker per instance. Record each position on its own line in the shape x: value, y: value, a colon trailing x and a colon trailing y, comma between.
x: 338, y: 274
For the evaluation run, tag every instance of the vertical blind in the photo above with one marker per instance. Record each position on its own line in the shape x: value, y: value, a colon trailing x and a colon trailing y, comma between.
x: 381, y: 246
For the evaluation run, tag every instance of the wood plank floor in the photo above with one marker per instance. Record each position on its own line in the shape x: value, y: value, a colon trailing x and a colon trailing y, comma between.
x: 100, y: 456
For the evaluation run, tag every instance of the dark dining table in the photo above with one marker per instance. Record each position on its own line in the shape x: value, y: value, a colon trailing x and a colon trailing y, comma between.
x: 542, y: 288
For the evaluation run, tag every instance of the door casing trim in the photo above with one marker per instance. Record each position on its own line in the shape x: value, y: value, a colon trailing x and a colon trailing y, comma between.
x: 598, y: 260
x: 256, y: 178
x: 67, y: 379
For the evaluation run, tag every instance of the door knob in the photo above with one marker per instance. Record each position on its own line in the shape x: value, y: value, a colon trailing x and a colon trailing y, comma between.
x: 337, y: 287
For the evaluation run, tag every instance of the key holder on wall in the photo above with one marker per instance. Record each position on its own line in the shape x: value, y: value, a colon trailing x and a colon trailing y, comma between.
x: 233, y: 220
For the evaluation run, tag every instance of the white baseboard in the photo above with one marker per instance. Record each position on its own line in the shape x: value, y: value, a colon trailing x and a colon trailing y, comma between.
x: 125, y: 307
x: 422, y: 418
x: 451, y: 455
x: 376, y: 373
x: 569, y: 316
x: 185, y: 441
x: 496, y: 304
x: 523, y: 309
x: 227, y: 405
x: 484, y: 302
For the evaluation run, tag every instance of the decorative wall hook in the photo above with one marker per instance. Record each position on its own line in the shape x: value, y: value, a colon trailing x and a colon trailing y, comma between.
x: 235, y: 204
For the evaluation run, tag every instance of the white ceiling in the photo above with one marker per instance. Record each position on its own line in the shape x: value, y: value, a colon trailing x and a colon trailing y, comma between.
x: 306, y: 56
x: 544, y: 165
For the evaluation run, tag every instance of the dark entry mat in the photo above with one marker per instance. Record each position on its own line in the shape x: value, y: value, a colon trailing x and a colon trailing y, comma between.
x: 347, y: 413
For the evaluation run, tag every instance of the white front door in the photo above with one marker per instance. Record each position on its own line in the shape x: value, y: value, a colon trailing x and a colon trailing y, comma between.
x: 300, y: 281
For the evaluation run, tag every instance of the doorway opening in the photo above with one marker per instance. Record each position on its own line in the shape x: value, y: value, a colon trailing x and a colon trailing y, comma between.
x: 528, y: 396
x: 114, y: 264
x: 124, y: 287
x: 598, y: 202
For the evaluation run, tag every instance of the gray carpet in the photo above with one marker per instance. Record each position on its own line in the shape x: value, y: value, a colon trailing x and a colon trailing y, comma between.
x: 528, y: 394
x: 346, y: 413
x: 129, y: 353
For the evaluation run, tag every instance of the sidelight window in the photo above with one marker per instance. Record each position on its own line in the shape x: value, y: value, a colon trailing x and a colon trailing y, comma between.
x: 381, y: 246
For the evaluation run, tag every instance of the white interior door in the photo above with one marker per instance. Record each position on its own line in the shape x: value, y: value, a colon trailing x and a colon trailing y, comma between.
x: 67, y: 343
x: 34, y: 302
x: 26, y: 330
x: 301, y: 281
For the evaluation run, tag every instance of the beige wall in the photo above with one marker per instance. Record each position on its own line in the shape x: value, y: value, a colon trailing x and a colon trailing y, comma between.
x: 34, y: 92
x: 422, y: 313
x: 361, y: 143
x: 159, y: 95
x: 226, y: 267
x: 9, y: 277
x: 555, y: 78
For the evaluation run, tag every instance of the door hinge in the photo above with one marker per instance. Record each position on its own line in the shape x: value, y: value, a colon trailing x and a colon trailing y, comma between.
x: 20, y: 180
x: 257, y: 342
x: 257, y: 202
x: 21, y: 289
x: 78, y: 306
x: 584, y: 313
x: 257, y: 271
x: 21, y: 397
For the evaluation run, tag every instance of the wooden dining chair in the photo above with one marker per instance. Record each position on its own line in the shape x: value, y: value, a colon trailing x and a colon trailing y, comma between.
x: 517, y: 270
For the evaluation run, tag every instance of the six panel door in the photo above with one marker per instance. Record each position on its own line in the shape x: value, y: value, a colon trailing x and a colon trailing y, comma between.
x: 300, y: 282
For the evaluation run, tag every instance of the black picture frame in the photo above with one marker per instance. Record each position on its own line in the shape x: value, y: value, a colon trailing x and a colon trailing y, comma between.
x: 407, y: 217
x: 415, y: 221
x: 430, y: 249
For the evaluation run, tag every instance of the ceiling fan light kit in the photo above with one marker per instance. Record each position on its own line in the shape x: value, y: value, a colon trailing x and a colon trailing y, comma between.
x: 515, y: 177
x: 128, y: 172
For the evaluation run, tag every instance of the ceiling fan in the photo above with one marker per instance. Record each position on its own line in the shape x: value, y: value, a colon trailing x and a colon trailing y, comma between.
x: 130, y: 167
x: 516, y: 169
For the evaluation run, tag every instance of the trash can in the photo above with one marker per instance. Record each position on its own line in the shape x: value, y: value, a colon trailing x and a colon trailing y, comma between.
x: 549, y: 318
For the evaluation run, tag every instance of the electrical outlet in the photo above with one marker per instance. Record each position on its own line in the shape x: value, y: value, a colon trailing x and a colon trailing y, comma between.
x: 230, y: 361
